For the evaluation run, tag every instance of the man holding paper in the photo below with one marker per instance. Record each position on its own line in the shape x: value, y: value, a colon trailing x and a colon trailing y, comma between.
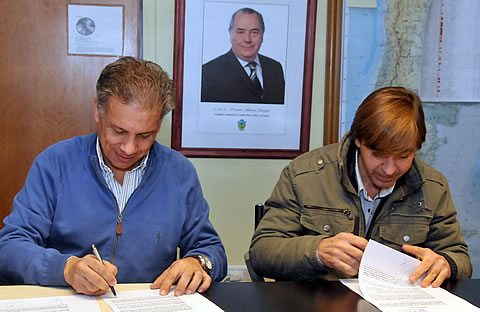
x: 330, y: 201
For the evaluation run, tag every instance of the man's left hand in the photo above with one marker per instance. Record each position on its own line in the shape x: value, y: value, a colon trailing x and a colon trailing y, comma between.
x: 434, y: 265
x: 187, y: 273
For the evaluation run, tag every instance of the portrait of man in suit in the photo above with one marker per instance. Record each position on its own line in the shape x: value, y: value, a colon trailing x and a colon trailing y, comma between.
x: 242, y: 75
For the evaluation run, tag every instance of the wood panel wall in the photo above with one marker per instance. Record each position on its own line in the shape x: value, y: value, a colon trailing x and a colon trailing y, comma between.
x: 46, y: 95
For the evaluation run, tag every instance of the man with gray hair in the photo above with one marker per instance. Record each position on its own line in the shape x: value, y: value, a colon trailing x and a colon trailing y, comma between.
x: 118, y: 188
x: 242, y: 75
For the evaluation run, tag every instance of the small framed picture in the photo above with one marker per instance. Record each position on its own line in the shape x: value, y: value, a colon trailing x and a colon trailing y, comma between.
x: 95, y: 30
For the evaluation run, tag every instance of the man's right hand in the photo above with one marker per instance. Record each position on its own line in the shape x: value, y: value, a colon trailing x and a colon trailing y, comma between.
x: 88, y: 276
x: 342, y: 252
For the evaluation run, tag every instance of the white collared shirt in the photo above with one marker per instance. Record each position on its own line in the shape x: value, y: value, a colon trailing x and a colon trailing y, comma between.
x: 258, y: 68
x: 131, y: 179
x: 369, y: 205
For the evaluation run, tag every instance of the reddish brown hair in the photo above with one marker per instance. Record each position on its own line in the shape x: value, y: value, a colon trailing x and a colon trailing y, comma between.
x: 390, y: 121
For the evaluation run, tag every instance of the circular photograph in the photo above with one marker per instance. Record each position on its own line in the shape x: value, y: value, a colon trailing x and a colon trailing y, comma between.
x: 85, y: 26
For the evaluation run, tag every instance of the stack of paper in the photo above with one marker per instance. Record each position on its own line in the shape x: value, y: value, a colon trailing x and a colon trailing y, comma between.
x: 383, y: 281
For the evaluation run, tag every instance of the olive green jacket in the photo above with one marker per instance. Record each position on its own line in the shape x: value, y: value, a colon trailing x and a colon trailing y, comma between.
x: 316, y: 197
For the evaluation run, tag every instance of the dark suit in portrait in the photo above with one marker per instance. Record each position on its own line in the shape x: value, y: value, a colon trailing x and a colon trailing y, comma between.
x: 225, y: 80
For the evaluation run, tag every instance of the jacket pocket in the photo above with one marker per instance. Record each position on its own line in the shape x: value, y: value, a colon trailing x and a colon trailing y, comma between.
x: 327, y: 221
x: 406, y: 226
x: 395, y: 235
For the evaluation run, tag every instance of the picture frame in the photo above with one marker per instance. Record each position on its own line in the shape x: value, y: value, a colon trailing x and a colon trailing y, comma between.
x: 95, y: 30
x: 216, y: 126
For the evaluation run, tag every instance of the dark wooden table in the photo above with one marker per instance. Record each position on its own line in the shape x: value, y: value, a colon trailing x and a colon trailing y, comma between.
x: 309, y: 296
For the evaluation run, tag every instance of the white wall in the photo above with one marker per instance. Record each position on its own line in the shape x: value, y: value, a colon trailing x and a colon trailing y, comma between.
x: 232, y: 186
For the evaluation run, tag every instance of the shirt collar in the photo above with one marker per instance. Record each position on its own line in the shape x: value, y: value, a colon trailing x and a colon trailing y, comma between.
x: 142, y: 164
x: 244, y: 63
x: 383, y: 192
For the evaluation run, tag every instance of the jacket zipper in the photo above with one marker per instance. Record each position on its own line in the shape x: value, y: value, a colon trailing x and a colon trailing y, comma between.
x: 117, y: 234
x: 347, y: 212
x: 118, y: 230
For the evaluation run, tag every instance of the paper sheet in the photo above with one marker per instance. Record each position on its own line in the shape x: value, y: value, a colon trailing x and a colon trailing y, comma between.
x: 95, y: 30
x: 77, y: 303
x: 151, y: 301
x: 383, y: 281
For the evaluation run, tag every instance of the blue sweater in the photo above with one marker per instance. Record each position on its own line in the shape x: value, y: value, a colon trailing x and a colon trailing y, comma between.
x: 65, y: 206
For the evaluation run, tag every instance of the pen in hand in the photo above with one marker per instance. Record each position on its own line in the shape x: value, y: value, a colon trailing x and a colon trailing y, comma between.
x: 97, y: 254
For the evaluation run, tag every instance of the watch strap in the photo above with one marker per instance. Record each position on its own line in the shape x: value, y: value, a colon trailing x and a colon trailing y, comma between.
x: 204, y: 262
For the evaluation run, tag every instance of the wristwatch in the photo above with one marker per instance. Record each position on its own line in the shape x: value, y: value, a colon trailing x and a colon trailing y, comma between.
x: 204, y: 262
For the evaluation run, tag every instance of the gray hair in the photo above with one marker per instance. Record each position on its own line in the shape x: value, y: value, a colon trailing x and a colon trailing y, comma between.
x: 132, y: 79
x: 247, y: 11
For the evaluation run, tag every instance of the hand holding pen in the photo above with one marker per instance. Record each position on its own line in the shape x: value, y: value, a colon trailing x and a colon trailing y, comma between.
x: 97, y: 254
x: 89, y: 275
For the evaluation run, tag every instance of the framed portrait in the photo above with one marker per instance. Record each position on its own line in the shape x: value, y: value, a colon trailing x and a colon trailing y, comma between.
x: 243, y: 77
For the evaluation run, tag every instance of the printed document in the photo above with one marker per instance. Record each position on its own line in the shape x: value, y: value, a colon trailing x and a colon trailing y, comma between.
x: 77, y: 303
x: 151, y: 301
x: 383, y: 281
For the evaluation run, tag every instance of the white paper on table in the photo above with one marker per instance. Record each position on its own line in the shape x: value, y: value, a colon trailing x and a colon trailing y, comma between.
x: 76, y: 303
x: 383, y: 281
x: 150, y: 299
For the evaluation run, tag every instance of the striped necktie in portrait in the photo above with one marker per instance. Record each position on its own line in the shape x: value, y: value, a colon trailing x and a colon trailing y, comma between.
x: 253, y: 76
